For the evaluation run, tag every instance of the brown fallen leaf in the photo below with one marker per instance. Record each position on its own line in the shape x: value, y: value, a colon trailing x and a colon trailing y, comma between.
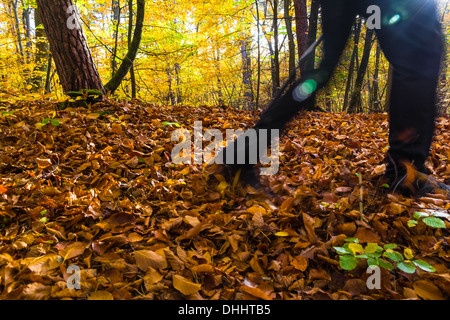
x: 185, y: 286
x: 308, y: 222
x: 101, y: 295
x: 256, y: 292
x: 427, y: 290
x: 148, y: 258
x: 72, y: 250
x: 36, y: 291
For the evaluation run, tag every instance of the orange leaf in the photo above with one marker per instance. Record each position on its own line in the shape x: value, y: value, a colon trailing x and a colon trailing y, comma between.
x: 101, y: 295
x: 72, y: 250
x: 148, y: 258
x: 256, y: 292
x: 185, y: 286
x: 427, y: 290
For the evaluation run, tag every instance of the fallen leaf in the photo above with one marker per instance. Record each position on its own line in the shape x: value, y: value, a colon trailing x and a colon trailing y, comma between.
x: 185, y: 286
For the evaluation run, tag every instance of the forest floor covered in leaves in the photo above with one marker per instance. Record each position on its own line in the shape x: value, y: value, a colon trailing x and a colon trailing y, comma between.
x: 95, y: 188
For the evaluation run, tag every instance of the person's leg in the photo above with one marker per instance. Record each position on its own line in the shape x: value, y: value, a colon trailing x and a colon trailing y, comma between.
x: 337, y: 20
x: 412, y: 41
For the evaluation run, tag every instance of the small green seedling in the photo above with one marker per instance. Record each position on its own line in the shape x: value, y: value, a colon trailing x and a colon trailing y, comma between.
x: 375, y: 255
x: 432, y: 219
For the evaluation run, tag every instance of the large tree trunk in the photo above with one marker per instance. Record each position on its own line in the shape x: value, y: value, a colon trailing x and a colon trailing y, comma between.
x: 73, y: 60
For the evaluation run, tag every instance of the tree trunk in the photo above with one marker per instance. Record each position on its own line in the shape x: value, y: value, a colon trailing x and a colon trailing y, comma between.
x: 375, y: 100
x: 130, y: 27
x: 127, y: 62
x: 356, y: 95
x: 312, y: 32
x: 276, y: 58
x: 116, y: 21
x: 301, y: 22
x: 353, y: 59
x: 247, y: 71
x: 258, y: 84
x: 310, y: 62
x: 73, y: 60
x: 17, y: 26
x: 42, y: 56
x: 387, y: 101
x: 291, y: 44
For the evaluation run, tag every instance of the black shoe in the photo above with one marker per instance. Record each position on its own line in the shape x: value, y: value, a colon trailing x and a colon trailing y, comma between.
x: 418, y: 184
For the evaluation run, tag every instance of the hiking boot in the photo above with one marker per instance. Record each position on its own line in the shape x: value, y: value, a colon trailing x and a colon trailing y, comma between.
x: 418, y: 184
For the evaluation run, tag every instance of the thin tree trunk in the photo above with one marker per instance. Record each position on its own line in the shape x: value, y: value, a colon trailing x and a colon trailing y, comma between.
x: 42, y: 55
x: 247, y: 71
x: 291, y: 44
x: 387, y: 101
x: 276, y: 58
x: 356, y: 95
x: 127, y: 62
x: 376, y: 104
x: 116, y: 20
x: 48, y: 85
x: 258, y: 84
x: 17, y: 25
x: 312, y: 37
x: 130, y: 27
x: 353, y: 59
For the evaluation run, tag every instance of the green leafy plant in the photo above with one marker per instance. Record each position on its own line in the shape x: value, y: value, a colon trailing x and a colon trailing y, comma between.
x: 385, y: 257
x: 432, y: 219
x: 54, y: 122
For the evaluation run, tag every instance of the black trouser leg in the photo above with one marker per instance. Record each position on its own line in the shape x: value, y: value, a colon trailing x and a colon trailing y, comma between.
x: 412, y: 41
x: 338, y: 17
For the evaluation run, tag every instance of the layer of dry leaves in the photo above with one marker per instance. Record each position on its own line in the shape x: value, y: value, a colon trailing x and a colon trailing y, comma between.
x: 101, y: 193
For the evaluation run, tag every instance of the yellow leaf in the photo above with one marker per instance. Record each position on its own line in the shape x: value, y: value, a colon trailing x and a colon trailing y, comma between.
x: 256, y: 292
x: 29, y: 87
x: 282, y: 234
x: 408, y: 254
x: 222, y: 186
x: 356, y: 248
x: 101, y: 295
x: 371, y: 247
x: 93, y: 116
x: 185, y: 286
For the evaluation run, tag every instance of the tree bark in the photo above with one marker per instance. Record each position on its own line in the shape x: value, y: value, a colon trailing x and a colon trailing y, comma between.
x: 73, y: 60
x: 291, y: 44
x: 353, y: 61
x: 276, y: 52
x: 127, y: 62
x: 247, y: 71
x: 130, y: 27
x: 356, y: 95
x: 301, y: 22
x: 42, y: 56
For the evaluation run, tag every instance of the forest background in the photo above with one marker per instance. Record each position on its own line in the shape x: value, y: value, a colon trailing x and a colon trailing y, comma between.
x: 235, y: 53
